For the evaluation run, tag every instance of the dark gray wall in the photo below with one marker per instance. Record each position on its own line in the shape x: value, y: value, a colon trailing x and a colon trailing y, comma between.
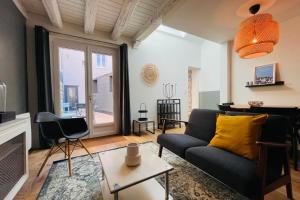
x: 209, y: 100
x: 13, y: 56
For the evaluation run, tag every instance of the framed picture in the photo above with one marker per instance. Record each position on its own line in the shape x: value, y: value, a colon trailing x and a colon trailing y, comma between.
x: 265, y: 74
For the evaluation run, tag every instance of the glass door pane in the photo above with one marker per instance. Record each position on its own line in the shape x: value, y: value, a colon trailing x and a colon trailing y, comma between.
x: 102, y: 88
x: 72, y: 82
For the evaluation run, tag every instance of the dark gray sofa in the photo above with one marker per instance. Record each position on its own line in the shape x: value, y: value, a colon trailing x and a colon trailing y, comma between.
x: 252, y: 179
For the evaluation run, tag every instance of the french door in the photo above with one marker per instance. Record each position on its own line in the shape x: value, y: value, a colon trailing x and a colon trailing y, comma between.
x: 83, y: 77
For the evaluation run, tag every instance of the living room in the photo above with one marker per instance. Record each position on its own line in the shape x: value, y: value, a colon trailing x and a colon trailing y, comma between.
x: 160, y: 99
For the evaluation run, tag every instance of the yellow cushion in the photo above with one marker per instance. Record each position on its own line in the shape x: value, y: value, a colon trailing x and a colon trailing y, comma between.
x: 238, y: 134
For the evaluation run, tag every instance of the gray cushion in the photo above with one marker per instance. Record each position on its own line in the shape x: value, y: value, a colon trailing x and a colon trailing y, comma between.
x: 233, y: 170
x: 178, y: 143
x: 202, y: 124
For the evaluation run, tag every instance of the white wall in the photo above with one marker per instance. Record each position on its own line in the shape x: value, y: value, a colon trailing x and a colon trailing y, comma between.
x: 195, y: 87
x: 287, y: 54
x: 172, y: 56
x: 225, y: 72
x: 209, y: 75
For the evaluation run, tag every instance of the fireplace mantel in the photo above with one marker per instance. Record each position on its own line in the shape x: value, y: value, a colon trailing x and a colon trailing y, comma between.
x: 10, y: 130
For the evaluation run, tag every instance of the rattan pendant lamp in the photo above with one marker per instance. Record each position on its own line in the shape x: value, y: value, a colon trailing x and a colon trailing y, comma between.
x: 257, y: 35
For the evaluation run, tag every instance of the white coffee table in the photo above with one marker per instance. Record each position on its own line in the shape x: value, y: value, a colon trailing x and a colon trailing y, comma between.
x: 123, y: 182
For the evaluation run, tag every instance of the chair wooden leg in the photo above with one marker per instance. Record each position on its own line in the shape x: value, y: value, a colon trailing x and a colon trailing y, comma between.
x: 66, y: 149
x: 160, y: 150
x: 289, y: 191
x: 85, y: 147
x: 295, y: 153
x: 69, y: 158
x: 287, y: 171
x: 46, y: 159
x: 292, y: 148
x: 259, y: 197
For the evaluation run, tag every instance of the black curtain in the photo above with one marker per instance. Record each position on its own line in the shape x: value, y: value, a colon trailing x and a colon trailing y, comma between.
x: 44, y: 93
x: 125, y: 121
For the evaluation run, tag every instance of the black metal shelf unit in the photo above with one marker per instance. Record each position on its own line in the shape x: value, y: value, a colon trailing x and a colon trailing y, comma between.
x: 168, y: 108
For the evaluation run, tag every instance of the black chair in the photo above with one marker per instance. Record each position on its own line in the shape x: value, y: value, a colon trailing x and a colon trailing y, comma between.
x: 54, y: 129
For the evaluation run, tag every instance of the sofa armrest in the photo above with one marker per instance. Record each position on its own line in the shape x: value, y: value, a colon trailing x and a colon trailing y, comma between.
x: 263, y: 156
x: 174, y: 120
x: 273, y: 144
x: 262, y: 167
x: 165, y: 120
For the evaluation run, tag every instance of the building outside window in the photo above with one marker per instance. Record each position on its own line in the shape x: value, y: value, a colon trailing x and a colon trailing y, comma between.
x: 101, y: 61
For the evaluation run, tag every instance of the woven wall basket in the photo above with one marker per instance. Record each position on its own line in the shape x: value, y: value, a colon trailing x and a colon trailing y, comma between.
x: 150, y: 74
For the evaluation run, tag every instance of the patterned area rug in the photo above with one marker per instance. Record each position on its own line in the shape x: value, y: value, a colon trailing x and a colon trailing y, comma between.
x: 187, y: 182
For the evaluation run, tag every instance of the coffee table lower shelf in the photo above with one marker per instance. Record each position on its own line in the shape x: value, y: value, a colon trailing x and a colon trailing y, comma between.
x: 147, y: 190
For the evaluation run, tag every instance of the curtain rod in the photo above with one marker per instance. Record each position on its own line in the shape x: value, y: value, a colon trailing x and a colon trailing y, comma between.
x: 85, y: 38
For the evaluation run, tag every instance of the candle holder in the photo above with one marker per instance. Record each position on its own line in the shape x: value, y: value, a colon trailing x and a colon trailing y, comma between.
x: 143, y: 112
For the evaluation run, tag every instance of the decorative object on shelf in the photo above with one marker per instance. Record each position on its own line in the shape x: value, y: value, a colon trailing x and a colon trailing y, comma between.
x: 150, y: 74
x: 257, y: 35
x: 265, y: 74
x: 133, y: 158
x: 256, y: 103
x: 169, y: 90
x: 5, y: 116
x: 168, y: 108
x: 143, y: 112
x: 2, y: 97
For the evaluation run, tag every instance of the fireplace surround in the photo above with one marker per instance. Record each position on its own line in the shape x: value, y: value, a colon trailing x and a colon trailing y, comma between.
x: 15, y: 141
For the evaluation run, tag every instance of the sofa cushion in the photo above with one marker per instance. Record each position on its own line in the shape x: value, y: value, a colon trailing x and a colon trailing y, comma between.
x: 238, y: 134
x: 202, y: 124
x: 178, y: 143
x: 233, y: 170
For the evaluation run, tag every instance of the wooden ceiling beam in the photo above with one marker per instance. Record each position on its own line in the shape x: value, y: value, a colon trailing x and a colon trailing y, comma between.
x: 154, y: 22
x: 150, y: 26
x: 52, y: 9
x: 21, y: 7
x: 125, y: 14
x: 90, y: 15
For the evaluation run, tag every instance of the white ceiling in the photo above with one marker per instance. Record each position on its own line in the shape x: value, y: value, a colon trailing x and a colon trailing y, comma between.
x: 217, y: 20
x: 108, y: 11
x: 214, y: 20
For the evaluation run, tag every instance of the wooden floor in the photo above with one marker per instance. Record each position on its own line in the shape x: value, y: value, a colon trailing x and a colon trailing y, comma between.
x: 34, y: 184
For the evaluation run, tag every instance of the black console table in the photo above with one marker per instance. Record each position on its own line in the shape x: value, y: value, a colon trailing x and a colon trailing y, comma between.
x: 168, y: 108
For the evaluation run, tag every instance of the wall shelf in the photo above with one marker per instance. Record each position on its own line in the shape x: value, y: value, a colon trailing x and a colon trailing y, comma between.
x: 266, y: 85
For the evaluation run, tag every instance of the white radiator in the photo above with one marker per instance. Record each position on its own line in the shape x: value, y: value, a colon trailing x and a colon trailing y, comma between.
x: 15, y: 142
